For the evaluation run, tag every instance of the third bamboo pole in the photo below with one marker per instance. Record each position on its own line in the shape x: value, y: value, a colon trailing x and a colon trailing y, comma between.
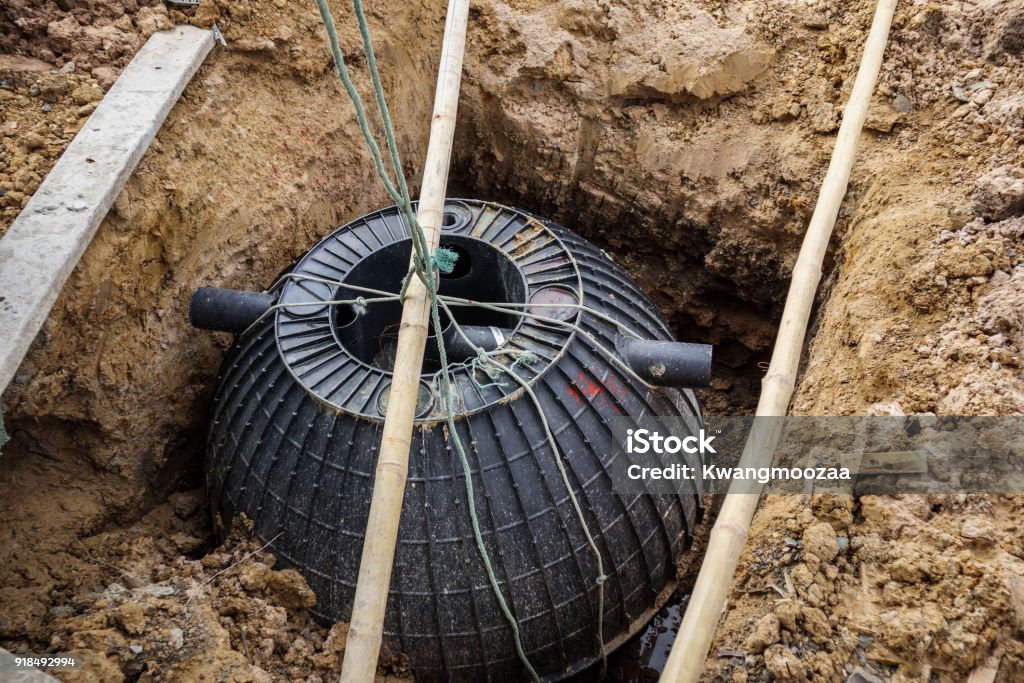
x: 729, y: 535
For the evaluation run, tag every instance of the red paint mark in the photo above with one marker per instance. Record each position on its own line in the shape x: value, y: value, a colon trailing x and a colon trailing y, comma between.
x: 598, y: 394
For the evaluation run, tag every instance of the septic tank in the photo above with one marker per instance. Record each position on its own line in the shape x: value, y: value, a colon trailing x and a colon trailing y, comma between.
x: 299, y: 409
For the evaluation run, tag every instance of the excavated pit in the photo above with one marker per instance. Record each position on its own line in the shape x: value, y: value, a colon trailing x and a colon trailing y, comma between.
x: 259, y: 160
x: 686, y: 141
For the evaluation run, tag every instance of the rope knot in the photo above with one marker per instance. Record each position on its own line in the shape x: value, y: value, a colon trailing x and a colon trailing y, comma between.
x: 361, y: 301
x: 601, y: 579
x: 444, y: 259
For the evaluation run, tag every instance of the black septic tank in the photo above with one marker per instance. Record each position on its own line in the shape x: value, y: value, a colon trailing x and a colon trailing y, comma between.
x: 299, y: 408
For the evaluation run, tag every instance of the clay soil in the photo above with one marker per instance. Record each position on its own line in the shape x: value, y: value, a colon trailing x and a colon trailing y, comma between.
x: 688, y: 139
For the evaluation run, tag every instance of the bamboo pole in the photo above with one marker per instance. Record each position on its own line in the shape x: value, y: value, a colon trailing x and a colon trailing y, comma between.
x: 729, y: 535
x: 366, y: 626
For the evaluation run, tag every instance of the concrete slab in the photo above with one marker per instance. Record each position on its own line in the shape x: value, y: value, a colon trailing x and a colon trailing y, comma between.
x: 49, y: 236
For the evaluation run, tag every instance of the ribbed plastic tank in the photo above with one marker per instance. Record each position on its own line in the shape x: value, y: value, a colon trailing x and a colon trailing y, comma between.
x: 296, y: 429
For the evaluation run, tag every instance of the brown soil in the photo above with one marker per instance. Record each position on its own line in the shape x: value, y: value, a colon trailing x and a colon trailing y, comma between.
x: 688, y: 139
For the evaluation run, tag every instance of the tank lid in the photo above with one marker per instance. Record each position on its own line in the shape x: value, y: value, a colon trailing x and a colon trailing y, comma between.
x: 343, y: 353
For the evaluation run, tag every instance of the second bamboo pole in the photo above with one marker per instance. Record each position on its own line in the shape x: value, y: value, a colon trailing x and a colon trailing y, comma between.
x: 729, y: 535
x: 366, y: 626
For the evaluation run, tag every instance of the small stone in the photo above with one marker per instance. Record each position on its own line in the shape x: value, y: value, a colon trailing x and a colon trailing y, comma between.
x: 77, y: 205
x: 47, y: 108
x: 135, y: 649
x: 68, y: 68
x: 902, y: 104
x: 159, y: 591
x: 982, y: 97
x: 176, y: 638
x: 862, y: 675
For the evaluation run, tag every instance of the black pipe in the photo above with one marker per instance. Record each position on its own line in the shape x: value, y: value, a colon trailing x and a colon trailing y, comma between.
x: 227, y: 310
x: 486, y: 338
x: 668, y: 364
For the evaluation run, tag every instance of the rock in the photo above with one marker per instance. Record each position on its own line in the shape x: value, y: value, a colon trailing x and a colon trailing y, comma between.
x: 862, y: 675
x: 766, y: 632
x: 820, y: 540
x: 160, y: 591
x: 902, y: 104
x: 135, y: 649
x: 783, y: 664
x: 176, y: 638
x: 999, y: 194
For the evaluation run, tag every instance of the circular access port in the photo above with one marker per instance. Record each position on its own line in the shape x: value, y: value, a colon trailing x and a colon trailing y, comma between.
x: 457, y: 217
x: 555, y: 302
x: 482, y: 273
x: 305, y: 299
x: 424, y: 400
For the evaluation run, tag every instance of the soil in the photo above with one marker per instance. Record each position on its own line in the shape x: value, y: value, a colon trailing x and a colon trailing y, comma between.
x: 688, y: 139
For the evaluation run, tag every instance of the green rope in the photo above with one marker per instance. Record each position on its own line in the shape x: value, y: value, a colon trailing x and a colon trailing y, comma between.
x: 424, y: 266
